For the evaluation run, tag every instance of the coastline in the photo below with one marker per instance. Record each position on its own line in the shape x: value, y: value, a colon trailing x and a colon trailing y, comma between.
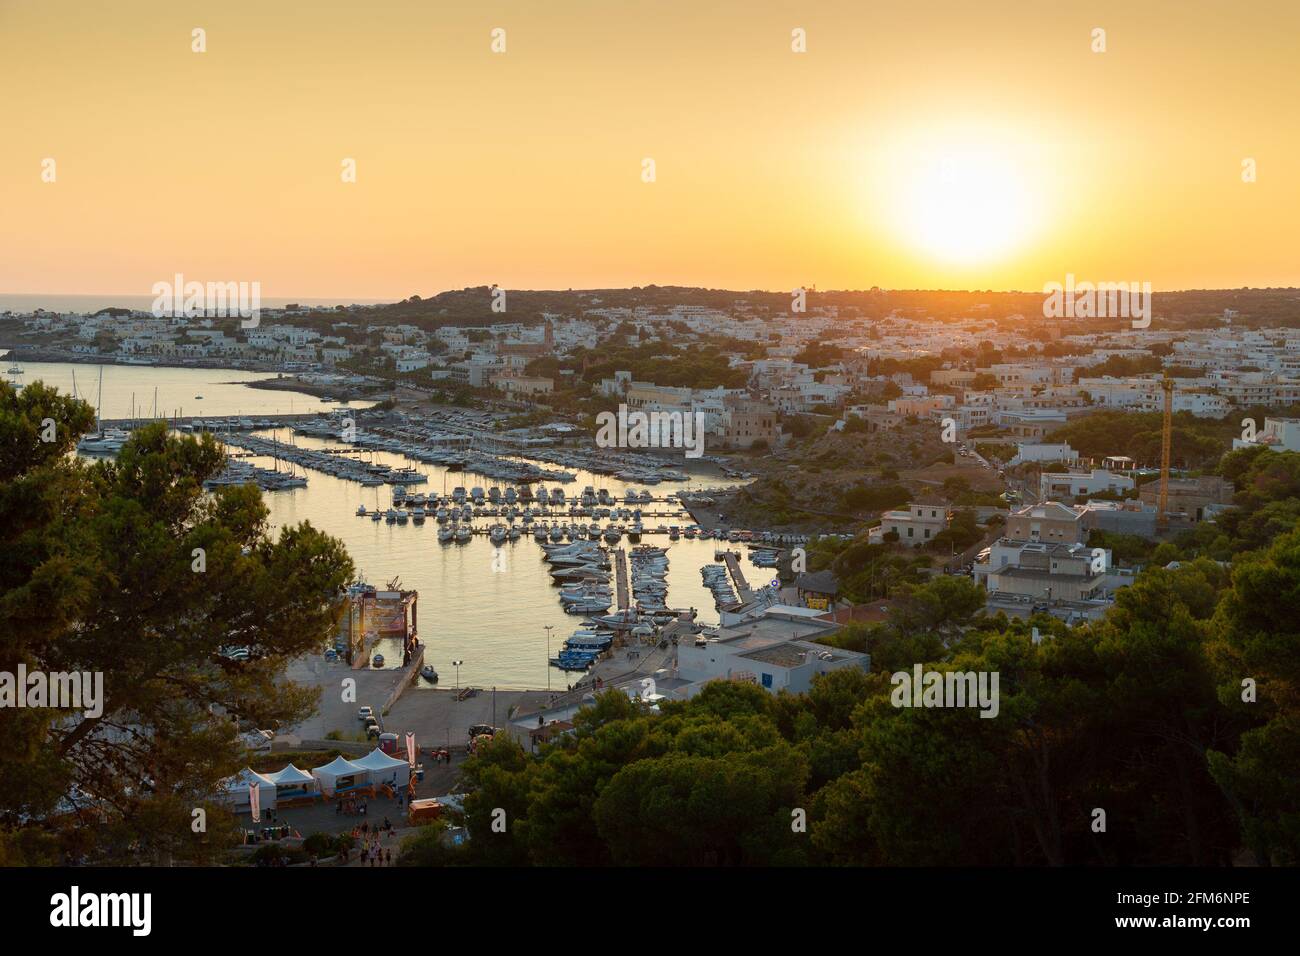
x: 27, y: 353
x: 276, y: 380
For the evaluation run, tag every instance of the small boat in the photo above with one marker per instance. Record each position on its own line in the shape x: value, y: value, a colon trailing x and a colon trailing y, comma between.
x: 429, y: 674
x: 445, y: 534
x: 198, y: 398
x: 361, y: 511
x: 376, y: 515
x: 378, y: 660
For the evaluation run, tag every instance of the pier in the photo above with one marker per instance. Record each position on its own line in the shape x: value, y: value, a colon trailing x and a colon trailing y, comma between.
x: 180, y: 421
x: 620, y: 579
x: 738, y: 577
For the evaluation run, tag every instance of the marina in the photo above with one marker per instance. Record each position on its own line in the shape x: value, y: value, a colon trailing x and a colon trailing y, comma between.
x: 487, y: 591
x: 487, y: 601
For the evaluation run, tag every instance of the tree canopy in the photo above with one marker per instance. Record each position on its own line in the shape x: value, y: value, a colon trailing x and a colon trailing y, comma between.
x: 128, y: 569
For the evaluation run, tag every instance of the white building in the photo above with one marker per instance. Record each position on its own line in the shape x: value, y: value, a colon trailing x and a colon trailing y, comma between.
x: 1071, y: 484
x: 1044, y: 453
x: 1279, y: 434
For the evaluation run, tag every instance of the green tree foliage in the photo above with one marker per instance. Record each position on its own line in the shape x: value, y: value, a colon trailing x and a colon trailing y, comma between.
x: 1196, y: 442
x: 97, y: 574
x: 1258, y: 640
x: 1137, y: 715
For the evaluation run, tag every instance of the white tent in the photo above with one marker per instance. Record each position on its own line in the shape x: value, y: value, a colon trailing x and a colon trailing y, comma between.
x: 339, y: 774
x: 385, y: 769
x: 292, y: 780
x: 235, y: 790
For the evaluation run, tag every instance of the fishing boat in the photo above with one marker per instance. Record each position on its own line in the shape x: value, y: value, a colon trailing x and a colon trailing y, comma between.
x: 445, y: 534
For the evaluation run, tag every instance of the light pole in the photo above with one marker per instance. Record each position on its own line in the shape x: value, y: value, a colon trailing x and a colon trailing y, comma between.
x: 549, y: 628
x: 456, y: 664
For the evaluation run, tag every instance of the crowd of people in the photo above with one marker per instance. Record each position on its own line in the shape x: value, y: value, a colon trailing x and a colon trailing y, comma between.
x: 352, y: 806
x: 370, y: 841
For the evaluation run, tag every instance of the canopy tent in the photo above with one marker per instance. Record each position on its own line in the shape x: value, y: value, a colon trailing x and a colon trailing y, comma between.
x: 339, y: 775
x: 385, y: 769
x: 235, y: 790
x: 291, y: 780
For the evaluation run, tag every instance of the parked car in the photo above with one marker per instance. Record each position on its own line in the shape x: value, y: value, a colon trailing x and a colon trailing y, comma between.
x: 364, y: 712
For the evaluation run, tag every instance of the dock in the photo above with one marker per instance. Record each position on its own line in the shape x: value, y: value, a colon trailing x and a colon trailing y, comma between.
x: 620, y: 579
x: 743, y: 589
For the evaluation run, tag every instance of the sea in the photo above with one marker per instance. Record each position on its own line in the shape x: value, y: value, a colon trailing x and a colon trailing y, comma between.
x: 22, y: 302
x: 488, y: 611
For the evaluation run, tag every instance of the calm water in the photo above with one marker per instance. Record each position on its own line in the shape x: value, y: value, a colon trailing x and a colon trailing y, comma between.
x: 177, y: 389
x: 85, y: 304
x: 493, y: 620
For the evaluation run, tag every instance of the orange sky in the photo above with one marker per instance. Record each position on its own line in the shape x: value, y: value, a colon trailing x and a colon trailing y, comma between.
x: 943, y: 144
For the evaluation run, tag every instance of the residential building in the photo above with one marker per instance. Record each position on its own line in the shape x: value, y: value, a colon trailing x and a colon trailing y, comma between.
x: 918, y: 523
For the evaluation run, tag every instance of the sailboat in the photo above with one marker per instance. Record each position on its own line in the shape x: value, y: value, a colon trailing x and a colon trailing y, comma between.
x: 101, y: 441
x: 15, y: 373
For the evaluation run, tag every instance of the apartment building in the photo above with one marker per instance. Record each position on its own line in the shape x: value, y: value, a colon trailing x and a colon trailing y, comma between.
x: 1191, y: 496
x: 745, y: 423
x: 1049, y: 521
x: 1076, y: 484
x: 1279, y: 434
x: 918, y: 523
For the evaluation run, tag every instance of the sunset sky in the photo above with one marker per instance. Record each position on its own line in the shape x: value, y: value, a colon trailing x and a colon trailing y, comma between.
x: 939, y: 144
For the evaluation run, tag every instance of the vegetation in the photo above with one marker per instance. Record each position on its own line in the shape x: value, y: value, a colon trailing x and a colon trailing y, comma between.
x: 1140, y: 715
x: 1196, y: 442
x: 99, y: 573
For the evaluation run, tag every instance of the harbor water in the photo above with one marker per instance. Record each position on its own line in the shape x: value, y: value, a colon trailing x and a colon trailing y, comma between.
x: 481, y: 603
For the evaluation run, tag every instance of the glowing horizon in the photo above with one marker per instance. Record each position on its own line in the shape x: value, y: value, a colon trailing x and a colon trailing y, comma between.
x: 946, y: 148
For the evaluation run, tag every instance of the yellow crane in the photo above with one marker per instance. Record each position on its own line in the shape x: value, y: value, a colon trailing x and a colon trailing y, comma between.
x: 1166, y: 443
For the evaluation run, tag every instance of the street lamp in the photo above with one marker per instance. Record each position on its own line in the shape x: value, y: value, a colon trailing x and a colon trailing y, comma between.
x: 456, y: 664
x: 549, y: 628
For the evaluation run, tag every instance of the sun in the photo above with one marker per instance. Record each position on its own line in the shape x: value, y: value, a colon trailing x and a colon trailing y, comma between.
x: 961, y: 201
x: 966, y: 205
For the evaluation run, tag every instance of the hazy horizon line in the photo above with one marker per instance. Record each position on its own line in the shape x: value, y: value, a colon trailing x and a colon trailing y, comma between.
x: 382, y: 300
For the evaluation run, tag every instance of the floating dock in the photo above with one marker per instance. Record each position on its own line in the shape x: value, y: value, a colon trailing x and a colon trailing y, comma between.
x: 620, y: 578
x: 738, y: 577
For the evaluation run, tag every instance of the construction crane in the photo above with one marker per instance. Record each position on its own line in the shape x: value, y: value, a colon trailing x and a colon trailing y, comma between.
x: 1166, y: 443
